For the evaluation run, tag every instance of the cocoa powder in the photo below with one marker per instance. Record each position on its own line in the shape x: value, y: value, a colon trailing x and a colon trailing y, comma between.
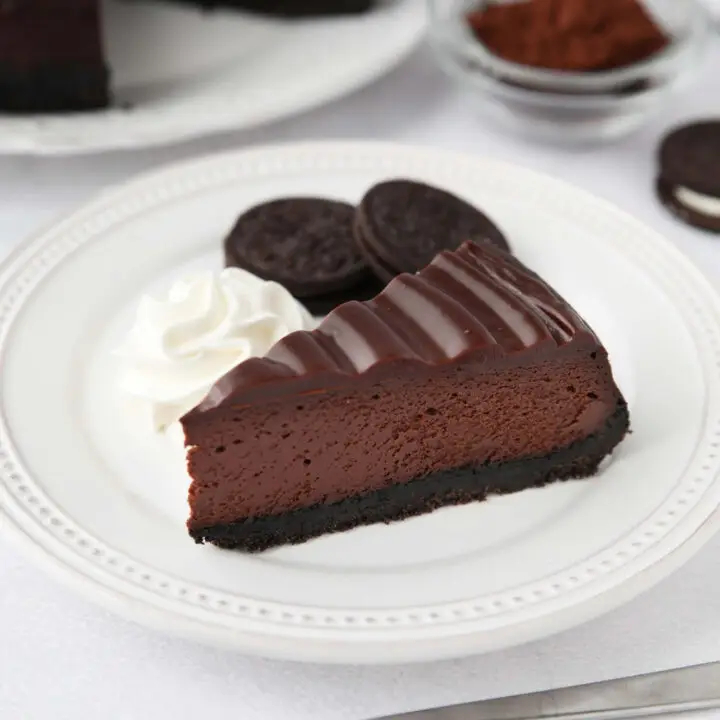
x: 573, y: 35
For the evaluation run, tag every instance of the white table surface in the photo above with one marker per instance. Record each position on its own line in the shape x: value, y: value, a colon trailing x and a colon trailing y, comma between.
x: 64, y: 659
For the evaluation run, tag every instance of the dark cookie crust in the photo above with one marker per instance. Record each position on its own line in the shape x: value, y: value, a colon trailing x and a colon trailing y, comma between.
x: 405, y: 224
x: 451, y: 487
x: 690, y: 157
x: 305, y: 244
x: 666, y: 195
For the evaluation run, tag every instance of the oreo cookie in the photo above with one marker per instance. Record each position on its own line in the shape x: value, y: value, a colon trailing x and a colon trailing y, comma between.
x: 401, y: 225
x: 688, y: 184
x: 305, y: 244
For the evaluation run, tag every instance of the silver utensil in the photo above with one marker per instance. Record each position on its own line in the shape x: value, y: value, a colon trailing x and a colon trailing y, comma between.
x: 674, y: 691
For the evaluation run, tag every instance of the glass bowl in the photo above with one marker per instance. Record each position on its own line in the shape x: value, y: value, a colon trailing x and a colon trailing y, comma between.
x: 570, y: 107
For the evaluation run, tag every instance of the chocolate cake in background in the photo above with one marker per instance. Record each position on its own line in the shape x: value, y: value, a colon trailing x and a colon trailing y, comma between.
x: 51, y: 51
x: 469, y: 379
x: 51, y: 56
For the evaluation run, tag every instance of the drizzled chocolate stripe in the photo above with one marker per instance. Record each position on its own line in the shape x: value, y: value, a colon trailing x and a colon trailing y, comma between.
x: 364, y: 338
x: 413, y: 333
x: 511, y: 319
x: 451, y: 327
x: 473, y: 300
x: 564, y: 322
x: 307, y: 353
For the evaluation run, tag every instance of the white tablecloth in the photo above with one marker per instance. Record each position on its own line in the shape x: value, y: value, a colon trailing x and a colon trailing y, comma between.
x: 64, y: 659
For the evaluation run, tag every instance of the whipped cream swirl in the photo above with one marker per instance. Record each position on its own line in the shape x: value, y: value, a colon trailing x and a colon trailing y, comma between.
x: 208, y: 323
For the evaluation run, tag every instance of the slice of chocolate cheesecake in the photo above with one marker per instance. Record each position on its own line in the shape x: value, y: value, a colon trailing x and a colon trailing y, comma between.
x: 471, y: 378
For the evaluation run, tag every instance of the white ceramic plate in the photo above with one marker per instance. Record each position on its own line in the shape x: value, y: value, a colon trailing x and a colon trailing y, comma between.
x: 184, y: 73
x: 100, y: 501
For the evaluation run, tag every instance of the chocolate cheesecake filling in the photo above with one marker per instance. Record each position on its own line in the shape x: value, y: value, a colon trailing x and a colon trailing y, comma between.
x: 411, y: 426
x: 455, y: 486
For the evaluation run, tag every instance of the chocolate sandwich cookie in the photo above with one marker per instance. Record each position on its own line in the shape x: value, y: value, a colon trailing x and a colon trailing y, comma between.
x: 401, y: 225
x: 689, y: 177
x: 305, y: 244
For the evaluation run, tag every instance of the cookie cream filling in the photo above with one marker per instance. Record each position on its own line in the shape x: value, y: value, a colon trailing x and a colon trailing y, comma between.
x: 705, y: 204
x: 181, y: 344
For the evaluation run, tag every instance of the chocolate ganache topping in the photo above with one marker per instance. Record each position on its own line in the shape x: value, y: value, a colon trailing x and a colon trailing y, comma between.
x: 477, y: 302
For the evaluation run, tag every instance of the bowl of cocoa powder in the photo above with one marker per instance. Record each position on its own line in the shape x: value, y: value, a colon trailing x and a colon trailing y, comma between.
x: 570, y: 71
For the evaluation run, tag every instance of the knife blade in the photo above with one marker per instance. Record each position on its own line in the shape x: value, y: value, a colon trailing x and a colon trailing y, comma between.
x: 673, y: 691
